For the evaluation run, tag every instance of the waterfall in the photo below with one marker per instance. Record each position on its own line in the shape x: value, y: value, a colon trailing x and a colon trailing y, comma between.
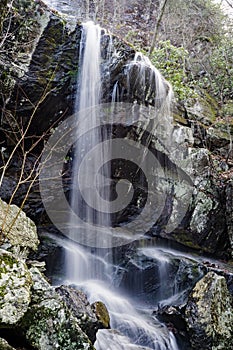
x: 90, y: 195
x: 88, y: 267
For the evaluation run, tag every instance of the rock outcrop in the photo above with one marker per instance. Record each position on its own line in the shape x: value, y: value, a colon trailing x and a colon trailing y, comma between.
x: 207, y: 225
x: 21, y: 24
x: 44, y: 81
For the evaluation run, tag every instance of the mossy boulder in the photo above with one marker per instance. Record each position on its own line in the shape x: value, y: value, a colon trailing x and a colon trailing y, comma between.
x: 48, y: 323
x: 209, y: 314
x: 18, y: 232
x: 91, y: 318
x: 102, y: 314
x: 212, y: 126
x: 15, y: 289
x: 202, y: 109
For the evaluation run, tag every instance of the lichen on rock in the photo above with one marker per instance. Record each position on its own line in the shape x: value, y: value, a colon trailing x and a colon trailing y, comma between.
x: 91, y: 318
x: 209, y: 314
x: 18, y: 232
x: 21, y: 24
x: 15, y: 285
x: 48, y: 323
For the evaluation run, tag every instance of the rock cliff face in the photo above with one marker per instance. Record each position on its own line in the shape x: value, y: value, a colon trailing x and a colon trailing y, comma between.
x: 41, y: 72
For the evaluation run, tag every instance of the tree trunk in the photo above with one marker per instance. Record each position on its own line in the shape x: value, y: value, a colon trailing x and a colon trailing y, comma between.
x: 156, y: 31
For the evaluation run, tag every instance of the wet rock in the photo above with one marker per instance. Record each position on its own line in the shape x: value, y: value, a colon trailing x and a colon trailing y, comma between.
x: 15, y: 289
x: 209, y: 314
x: 102, y: 314
x: 91, y: 318
x: 120, y: 341
x: 18, y: 232
x: 174, y: 318
x: 156, y: 274
x: 46, y: 82
x: 48, y: 323
x: 50, y: 81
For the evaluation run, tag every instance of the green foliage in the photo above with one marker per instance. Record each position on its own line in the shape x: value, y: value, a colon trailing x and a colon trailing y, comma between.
x: 219, y: 71
x: 172, y: 61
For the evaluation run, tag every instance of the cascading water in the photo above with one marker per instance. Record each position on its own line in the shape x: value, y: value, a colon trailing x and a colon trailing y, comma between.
x: 93, y: 269
x: 88, y: 182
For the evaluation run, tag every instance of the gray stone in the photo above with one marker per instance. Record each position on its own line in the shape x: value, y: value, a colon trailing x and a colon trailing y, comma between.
x: 15, y: 285
x: 209, y: 314
x: 17, y: 230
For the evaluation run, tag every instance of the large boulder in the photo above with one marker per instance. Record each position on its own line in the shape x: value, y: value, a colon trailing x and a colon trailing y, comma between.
x: 60, y: 318
x: 209, y: 314
x: 48, y: 323
x: 207, y: 225
x: 34, y: 313
x: 18, y: 232
x: 91, y: 318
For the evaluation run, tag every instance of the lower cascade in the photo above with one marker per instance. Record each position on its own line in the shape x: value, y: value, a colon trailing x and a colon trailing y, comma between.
x: 132, y: 325
x: 92, y: 269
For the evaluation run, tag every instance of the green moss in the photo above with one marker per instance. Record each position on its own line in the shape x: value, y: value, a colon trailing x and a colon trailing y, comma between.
x: 44, y: 328
x: 6, y: 261
x: 183, y: 238
x: 102, y: 314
